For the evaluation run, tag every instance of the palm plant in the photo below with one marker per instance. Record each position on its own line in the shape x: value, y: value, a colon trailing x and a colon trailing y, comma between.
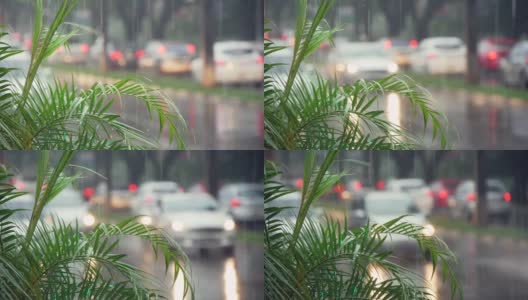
x: 308, y: 259
x: 57, y: 261
x: 307, y: 113
x: 57, y: 115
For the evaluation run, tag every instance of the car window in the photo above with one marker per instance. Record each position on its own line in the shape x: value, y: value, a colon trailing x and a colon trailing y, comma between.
x: 189, y: 204
x: 387, y: 204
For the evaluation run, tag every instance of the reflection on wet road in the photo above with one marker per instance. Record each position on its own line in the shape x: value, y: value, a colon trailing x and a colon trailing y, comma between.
x: 487, y: 269
x: 215, y: 275
x: 476, y: 121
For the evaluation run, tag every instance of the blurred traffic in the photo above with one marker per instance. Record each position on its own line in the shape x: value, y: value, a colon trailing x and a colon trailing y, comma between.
x: 433, y: 43
x: 210, y: 202
x: 207, y: 58
x: 473, y: 200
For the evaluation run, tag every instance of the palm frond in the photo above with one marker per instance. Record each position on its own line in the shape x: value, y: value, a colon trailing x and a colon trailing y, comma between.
x: 313, y: 259
x: 316, y: 113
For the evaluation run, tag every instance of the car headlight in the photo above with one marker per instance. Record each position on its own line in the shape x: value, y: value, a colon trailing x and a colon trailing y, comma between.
x: 229, y: 225
x: 88, y: 220
x: 340, y: 67
x: 177, y: 226
x: 352, y: 69
x: 428, y: 230
x: 145, y: 220
x: 393, y: 68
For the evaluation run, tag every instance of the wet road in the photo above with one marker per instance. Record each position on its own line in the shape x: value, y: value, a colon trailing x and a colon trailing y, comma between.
x: 216, y: 276
x: 487, y: 269
x: 213, y: 121
x: 476, y: 120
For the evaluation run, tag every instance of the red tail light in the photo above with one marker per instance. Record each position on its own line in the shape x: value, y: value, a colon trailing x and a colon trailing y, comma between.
x: 266, y: 35
x: 527, y: 59
x: 132, y: 187
x: 191, y: 49
x: 443, y: 194
x: 85, y: 48
x: 493, y: 55
x: 162, y: 49
x: 235, y: 202
x: 507, y: 197
x: 260, y: 60
x: 284, y: 36
x: 387, y: 44
x: 88, y: 192
x: 149, y: 199
x: 220, y: 62
x: 357, y: 185
x: 413, y: 44
x: 116, y: 55
x: 140, y: 53
x: 471, y: 197
x: 299, y: 183
x: 380, y: 185
x: 339, y: 188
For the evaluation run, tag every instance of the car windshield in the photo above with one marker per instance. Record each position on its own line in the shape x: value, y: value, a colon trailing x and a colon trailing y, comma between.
x: 448, y: 45
x: 254, y: 194
x: 355, y: 52
x: 238, y: 51
x: 389, y: 204
x: 189, y: 204
x: 177, y: 49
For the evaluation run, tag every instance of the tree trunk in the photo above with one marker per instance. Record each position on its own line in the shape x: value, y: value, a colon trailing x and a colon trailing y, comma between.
x: 212, y: 178
x: 208, y: 38
x: 472, y: 72
x: 103, y: 59
x: 480, y: 173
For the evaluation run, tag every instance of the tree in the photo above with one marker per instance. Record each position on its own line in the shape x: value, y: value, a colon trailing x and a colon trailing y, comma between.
x: 160, y: 14
x: 208, y: 37
x: 57, y: 261
x: 473, y: 71
x: 131, y: 13
x: 308, y: 258
x: 423, y: 13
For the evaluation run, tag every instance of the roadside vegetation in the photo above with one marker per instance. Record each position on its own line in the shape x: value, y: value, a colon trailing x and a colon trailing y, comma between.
x: 307, y: 113
x: 323, y: 259
x: 38, y: 113
x: 55, y: 260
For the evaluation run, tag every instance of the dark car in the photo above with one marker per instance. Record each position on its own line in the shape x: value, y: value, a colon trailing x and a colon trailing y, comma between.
x: 443, y: 189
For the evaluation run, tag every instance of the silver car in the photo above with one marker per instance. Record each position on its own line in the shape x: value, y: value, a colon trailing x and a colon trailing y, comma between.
x: 244, y: 201
x: 463, y: 204
x: 514, y: 67
x: 70, y: 208
x: 195, y: 221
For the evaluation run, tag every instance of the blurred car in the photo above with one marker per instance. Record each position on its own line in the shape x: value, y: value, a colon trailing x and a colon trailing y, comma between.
x: 417, y: 189
x: 381, y: 207
x: 400, y: 50
x: 118, y: 58
x: 24, y: 205
x: 244, y: 201
x: 236, y: 62
x: 19, y: 65
x: 282, y: 61
x: 440, y: 55
x: 292, y: 203
x: 443, y: 189
x: 74, y: 53
x: 492, y: 50
x: 70, y: 208
x: 120, y: 199
x: 195, y: 221
x: 150, y: 193
x: 353, y: 61
x: 514, y: 67
x: 463, y: 204
x: 176, y: 58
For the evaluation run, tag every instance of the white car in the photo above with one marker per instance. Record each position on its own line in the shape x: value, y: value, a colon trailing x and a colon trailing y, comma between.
x: 440, y: 55
x: 381, y: 207
x: 353, y: 61
x: 150, y: 192
x: 70, y: 208
x: 417, y: 189
x: 236, y: 62
x: 196, y: 222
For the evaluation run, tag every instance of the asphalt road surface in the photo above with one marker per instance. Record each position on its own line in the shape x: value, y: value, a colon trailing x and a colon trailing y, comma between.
x: 475, y: 121
x: 487, y: 268
x: 216, y: 276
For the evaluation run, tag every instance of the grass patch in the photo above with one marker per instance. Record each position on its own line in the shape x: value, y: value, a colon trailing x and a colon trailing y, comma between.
x: 173, y: 82
x: 491, y: 230
x: 438, y: 81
